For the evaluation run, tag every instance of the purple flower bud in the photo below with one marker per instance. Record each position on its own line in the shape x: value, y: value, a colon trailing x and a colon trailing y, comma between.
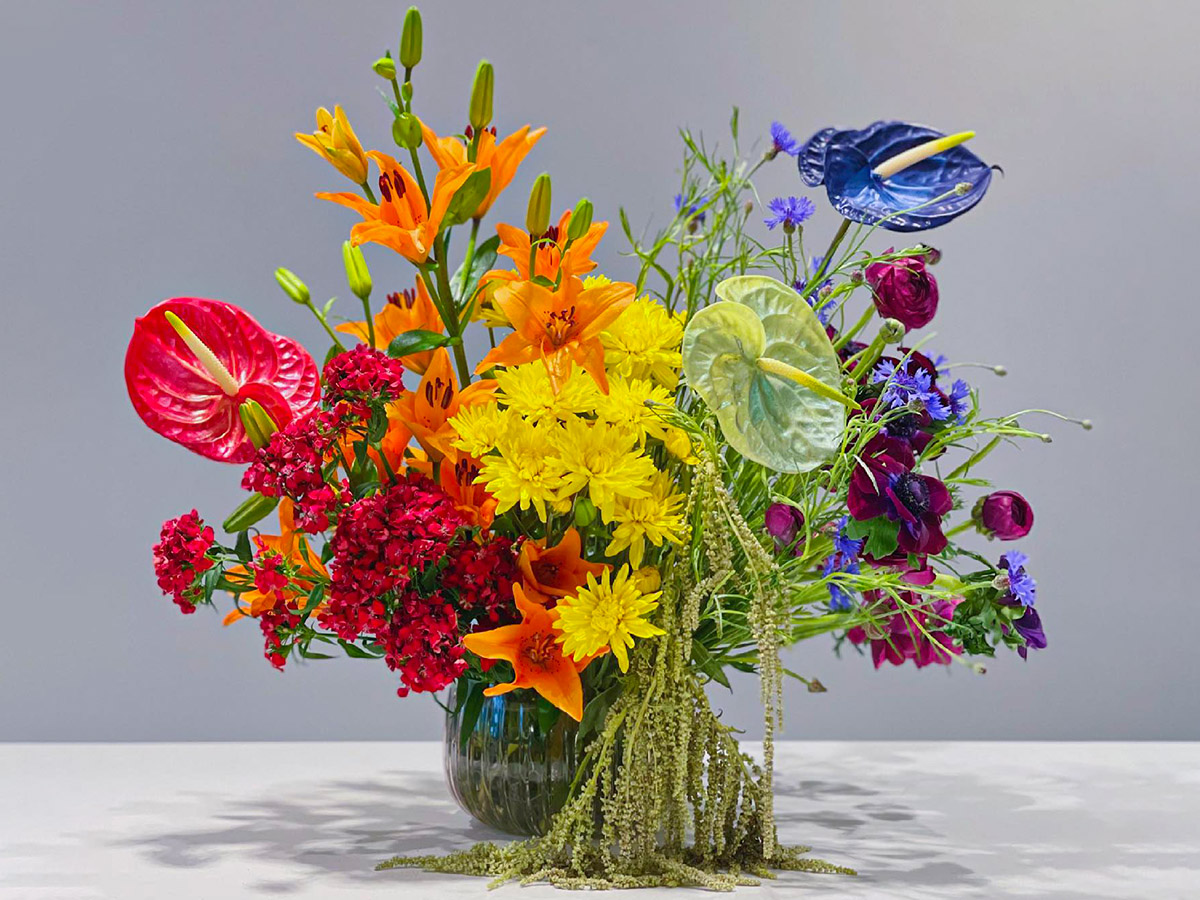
x: 784, y: 522
x: 1004, y: 514
x: 904, y: 290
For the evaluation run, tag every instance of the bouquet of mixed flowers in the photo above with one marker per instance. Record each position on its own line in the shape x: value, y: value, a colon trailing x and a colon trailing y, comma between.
x: 640, y: 484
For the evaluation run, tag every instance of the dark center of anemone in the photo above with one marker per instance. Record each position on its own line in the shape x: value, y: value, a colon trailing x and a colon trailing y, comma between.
x: 913, y: 493
x: 904, y: 426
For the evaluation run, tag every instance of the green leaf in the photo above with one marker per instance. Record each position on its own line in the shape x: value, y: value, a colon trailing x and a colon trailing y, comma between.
x: 416, y: 341
x: 484, y: 259
x: 470, y: 712
x: 315, y: 596
x: 547, y: 715
x: 881, y: 533
x: 242, y: 548
x: 705, y: 663
x: 467, y: 198
x: 356, y: 652
x: 253, y: 509
x: 377, y: 426
x: 334, y: 350
x: 312, y: 654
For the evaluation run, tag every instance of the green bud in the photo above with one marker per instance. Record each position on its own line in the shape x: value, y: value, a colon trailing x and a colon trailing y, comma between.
x: 581, y: 220
x: 537, y: 218
x: 385, y: 67
x: 406, y: 92
x: 292, y: 285
x: 410, y: 39
x: 253, y: 509
x: 258, y: 423
x: 585, y: 512
x: 406, y: 131
x: 357, y: 274
x: 891, y: 331
x: 479, y: 114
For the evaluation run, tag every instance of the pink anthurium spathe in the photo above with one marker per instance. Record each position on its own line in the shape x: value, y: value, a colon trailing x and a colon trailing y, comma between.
x: 188, y: 373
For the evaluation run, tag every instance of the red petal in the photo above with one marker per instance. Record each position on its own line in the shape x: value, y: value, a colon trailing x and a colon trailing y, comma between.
x: 178, y: 399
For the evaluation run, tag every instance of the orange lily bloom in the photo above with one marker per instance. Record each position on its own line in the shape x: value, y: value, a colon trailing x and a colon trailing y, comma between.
x: 536, y: 656
x: 335, y: 140
x: 471, y: 499
x: 551, y: 257
x: 502, y: 158
x: 295, y: 551
x: 409, y: 310
x: 400, y: 219
x: 427, y: 411
x: 559, y: 327
x: 559, y: 570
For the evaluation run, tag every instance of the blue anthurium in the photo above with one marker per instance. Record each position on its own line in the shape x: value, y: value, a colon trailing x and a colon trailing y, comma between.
x: 846, y: 162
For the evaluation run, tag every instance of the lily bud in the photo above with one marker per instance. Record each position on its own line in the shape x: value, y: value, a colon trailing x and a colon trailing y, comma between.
x: 385, y: 67
x: 292, y: 285
x: 258, y: 423
x: 479, y: 114
x: 406, y: 131
x: 410, y: 39
x: 537, y: 217
x: 357, y: 274
x: 406, y: 92
x: 581, y: 220
x: 585, y: 512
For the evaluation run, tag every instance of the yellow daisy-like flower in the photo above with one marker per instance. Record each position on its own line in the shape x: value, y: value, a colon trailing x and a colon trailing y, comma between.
x: 630, y: 404
x: 679, y: 444
x: 478, y: 428
x: 527, y: 390
x: 604, y: 459
x: 606, y: 613
x: 656, y: 519
x: 523, y: 474
x: 592, y: 281
x: 644, y: 342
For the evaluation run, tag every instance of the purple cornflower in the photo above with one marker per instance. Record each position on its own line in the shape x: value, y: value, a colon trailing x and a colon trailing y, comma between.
x: 905, y: 390
x: 782, y: 141
x: 693, y: 210
x: 789, y: 212
x: 1029, y: 626
x: 1021, y: 586
x: 823, y: 307
x: 960, y: 400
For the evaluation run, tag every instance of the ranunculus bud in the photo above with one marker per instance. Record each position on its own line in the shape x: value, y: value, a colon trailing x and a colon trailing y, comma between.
x: 904, y: 290
x: 1003, y: 514
x: 410, y: 39
x: 783, y: 522
x: 933, y: 255
x: 479, y: 113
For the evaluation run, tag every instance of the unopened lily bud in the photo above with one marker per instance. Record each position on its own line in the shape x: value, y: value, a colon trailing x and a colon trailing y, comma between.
x: 258, y: 423
x: 892, y: 331
x: 585, y: 512
x: 358, y: 276
x: 406, y: 92
x: 537, y: 217
x: 581, y: 220
x: 406, y: 131
x: 254, y: 509
x: 292, y: 285
x: 479, y: 114
x: 410, y: 39
x: 385, y: 67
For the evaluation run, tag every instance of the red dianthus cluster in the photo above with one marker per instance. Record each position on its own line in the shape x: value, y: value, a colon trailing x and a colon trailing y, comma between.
x: 181, y: 556
x: 361, y: 375
x: 483, y: 576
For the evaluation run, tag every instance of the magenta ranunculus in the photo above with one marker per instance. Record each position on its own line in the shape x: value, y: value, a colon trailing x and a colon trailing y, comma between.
x: 783, y: 522
x: 1004, y: 514
x: 915, y: 632
x: 904, y: 290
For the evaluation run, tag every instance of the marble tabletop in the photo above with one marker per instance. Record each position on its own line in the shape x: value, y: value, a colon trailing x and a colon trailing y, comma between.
x: 309, y: 820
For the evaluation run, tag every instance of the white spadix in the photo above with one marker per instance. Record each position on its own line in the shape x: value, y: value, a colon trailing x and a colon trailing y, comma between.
x: 207, y: 358
x: 913, y: 155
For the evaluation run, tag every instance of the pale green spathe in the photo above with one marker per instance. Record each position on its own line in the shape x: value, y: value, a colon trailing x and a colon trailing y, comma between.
x: 767, y: 418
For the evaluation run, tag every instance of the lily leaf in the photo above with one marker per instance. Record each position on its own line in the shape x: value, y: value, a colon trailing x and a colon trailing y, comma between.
x: 467, y: 198
x: 482, y: 261
x: 409, y: 342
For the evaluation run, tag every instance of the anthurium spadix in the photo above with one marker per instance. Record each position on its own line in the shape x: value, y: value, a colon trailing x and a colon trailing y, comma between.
x: 192, y: 363
x: 762, y: 362
x: 900, y: 176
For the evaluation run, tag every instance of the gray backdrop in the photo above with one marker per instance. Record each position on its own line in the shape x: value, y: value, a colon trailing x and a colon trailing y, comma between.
x: 148, y: 153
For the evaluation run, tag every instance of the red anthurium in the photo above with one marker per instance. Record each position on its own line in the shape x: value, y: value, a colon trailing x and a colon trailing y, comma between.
x: 192, y: 396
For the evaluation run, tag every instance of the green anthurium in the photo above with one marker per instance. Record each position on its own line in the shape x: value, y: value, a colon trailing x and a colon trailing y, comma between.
x: 763, y: 363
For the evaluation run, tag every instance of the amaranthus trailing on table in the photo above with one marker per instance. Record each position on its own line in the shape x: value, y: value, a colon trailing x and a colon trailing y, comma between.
x: 642, y: 484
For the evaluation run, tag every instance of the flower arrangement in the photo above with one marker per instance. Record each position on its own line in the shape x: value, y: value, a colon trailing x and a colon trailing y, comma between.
x: 640, y: 485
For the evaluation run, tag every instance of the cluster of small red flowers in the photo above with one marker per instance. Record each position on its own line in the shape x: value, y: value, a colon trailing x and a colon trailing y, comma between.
x: 292, y: 465
x: 181, y: 556
x: 483, y: 576
x: 277, y: 626
x: 362, y: 375
x: 422, y: 644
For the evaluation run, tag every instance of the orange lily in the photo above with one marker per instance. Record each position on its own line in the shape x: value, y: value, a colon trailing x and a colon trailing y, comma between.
x: 427, y: 411
x: 502, y: 158
x: 335, y: 140
x: 409, y: 310
x: 559, y: 570
x: 536, y: 656
x: 401, y: 220
x: 295, y: 551
x: 558, y: 327
x: 471, y: 499
x: 551, y: 257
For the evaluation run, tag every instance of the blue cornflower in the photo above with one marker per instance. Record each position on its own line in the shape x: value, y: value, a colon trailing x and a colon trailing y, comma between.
x: 844, y: 544
x: 1021, y: 585
x: 960, y: 400
x: 840, y: 599
x: 789, y: 212
x: 694, y: 209
x: 782, y: 141
x: 822, y: 307
x: 941, y: 363
x: 904, y: 390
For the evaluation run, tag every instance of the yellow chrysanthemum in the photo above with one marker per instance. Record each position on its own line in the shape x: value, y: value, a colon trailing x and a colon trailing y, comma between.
x: 592, y: 281
x: 630, y: 404
x: 644, y: 342
x: 656, y: 519
x: 478, y: 428
x: 609, y: 612
x: 679, y: 445
x: 523, y: 474
x: 604, y: 459
x: 527, y: 390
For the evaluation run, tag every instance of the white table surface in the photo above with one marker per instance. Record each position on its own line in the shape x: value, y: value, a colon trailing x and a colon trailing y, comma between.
x: 310, y: 820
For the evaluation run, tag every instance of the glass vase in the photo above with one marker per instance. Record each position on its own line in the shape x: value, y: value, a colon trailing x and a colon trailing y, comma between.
x: 506, y: 768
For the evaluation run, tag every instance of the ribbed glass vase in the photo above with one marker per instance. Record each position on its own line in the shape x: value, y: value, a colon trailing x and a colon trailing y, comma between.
x: 504, y: 768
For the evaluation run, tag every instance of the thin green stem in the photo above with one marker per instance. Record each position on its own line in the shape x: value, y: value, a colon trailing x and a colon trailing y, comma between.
x: 468, y: 259
x: 366, y: 303
x: 325, y: 324
x: 847, y: 336
x: 370, y: 194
